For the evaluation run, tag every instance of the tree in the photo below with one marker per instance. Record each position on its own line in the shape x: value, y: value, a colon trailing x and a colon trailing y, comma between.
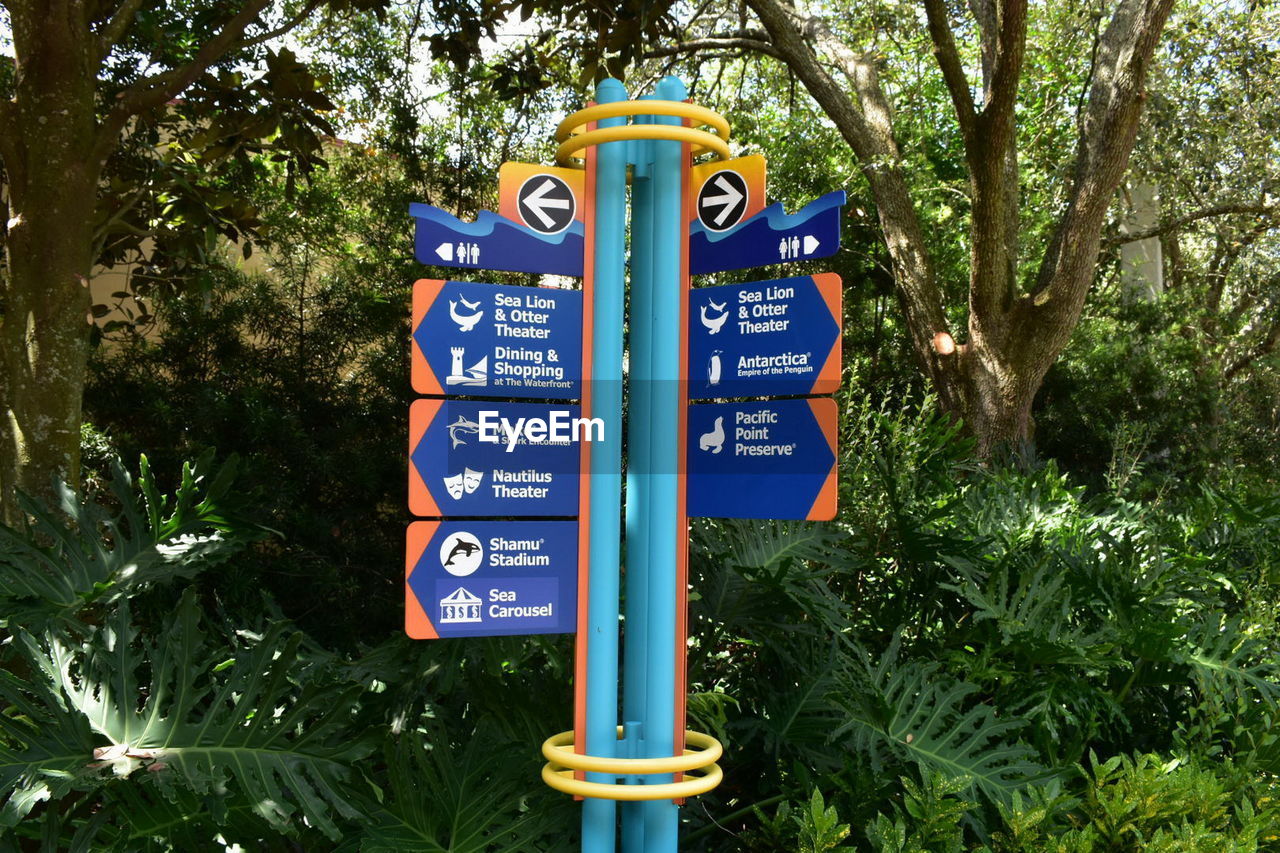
x: 1021, y: 308
x: 86, y: 78
x: 1207, y: 333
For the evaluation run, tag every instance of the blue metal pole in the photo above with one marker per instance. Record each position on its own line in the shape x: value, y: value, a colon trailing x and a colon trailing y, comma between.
x: 661, y: 824
x: 640, y: 355
x: 599, y: 817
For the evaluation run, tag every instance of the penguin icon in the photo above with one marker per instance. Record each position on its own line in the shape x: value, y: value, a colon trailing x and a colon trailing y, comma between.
x: 713, y: 368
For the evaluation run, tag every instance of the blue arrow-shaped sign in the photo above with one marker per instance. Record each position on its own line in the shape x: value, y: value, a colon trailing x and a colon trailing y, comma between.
x: 767, y: 338
x: 495, y: 459
x: 492, y: 340
x: 494, y: 242
x: 491, y: 578
x: 762, y: 460
x: 770, y: 237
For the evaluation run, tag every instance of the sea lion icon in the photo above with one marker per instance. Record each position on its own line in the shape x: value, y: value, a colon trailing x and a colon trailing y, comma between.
x: 461, y: 554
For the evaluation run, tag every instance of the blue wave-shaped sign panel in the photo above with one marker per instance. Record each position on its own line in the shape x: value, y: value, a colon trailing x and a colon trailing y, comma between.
x: 772, y: 236
x: 493, y: 242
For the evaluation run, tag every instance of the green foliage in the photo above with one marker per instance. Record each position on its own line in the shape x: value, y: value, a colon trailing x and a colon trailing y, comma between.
x: 912, y: 711
x: 54, y: 567
x: 128, y: 727
x: 933, y: 811
x: 1034, y: 623
x: 475, y: 803
x: 250, y: 718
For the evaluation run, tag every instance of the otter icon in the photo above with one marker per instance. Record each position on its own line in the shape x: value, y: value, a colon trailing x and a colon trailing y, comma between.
x: 461, y: 554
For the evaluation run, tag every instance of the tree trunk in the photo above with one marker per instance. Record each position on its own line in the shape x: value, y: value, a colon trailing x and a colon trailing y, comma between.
x: 44, y: 331
x: 993, y: 395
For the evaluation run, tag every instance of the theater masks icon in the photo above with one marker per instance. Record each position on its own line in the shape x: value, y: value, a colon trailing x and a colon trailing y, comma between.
x: 465, y: 483
x: 453, y: 485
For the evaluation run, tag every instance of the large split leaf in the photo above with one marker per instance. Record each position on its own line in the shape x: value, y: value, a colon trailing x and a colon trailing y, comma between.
x: 64, y: 559
x: 915, y: 712
x: 265, y: 724
x: 446, y: 798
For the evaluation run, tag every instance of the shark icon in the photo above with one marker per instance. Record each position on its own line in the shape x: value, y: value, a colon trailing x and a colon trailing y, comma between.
x: 464, y: 426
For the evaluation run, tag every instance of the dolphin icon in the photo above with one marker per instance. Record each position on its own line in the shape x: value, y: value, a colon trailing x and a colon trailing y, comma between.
x: 714, y: 323
x: 463, y: 547
x: 466, y: 324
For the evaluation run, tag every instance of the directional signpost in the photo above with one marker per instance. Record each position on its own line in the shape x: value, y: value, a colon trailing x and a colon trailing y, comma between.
x: 769, y: 338
x: 520, y: 484
x: 770, y: 237
x: 494, y: 459
x: 725, y: 192
x: 763, y: 460
x: 487, y: 578
x: 539, y: 227
x: 491, y: 340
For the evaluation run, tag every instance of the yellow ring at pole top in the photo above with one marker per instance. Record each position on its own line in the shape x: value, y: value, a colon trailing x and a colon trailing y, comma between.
x: 700, y: 138
x: 583, y: 117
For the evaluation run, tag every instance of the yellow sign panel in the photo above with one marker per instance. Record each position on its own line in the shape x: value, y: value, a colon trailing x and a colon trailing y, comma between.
x: 726, y: 192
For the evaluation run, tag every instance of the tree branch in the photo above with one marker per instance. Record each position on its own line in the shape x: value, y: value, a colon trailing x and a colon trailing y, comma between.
x: 115, y: 28
x: 1265, y: 347
x: 944, y: 49
x: 288, y: 25
x: 151, y: 92
x: 1107, y: 136
x: 1264, y: 210
x: 715, y: 43
x: 867, y: 127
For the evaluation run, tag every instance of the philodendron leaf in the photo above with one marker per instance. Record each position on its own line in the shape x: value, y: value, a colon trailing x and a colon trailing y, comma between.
x: 270, y: 726
x: 922, y: 715
x: 80, y: 554
x: 473, y: 805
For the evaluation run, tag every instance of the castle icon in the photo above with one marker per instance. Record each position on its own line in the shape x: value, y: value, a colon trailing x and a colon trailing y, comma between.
x: 476, y: 374
x: 459, y: 606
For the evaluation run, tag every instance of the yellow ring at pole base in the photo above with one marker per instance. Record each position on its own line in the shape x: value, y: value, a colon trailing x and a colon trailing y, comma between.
x: 563, y: 781
x: 583, y: 117
x: 558, y: 749
x: 700, y: 138
x: 563, y: 764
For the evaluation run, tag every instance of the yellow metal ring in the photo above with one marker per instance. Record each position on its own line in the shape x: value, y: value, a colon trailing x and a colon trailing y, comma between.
x: 702, y: 115
x: 700, y: 138
x: 558, y: 749
x: 563, y: 764
x: 563, y: 781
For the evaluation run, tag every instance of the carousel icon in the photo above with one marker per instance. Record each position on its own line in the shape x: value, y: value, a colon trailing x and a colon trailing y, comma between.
x: 459, y: 606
